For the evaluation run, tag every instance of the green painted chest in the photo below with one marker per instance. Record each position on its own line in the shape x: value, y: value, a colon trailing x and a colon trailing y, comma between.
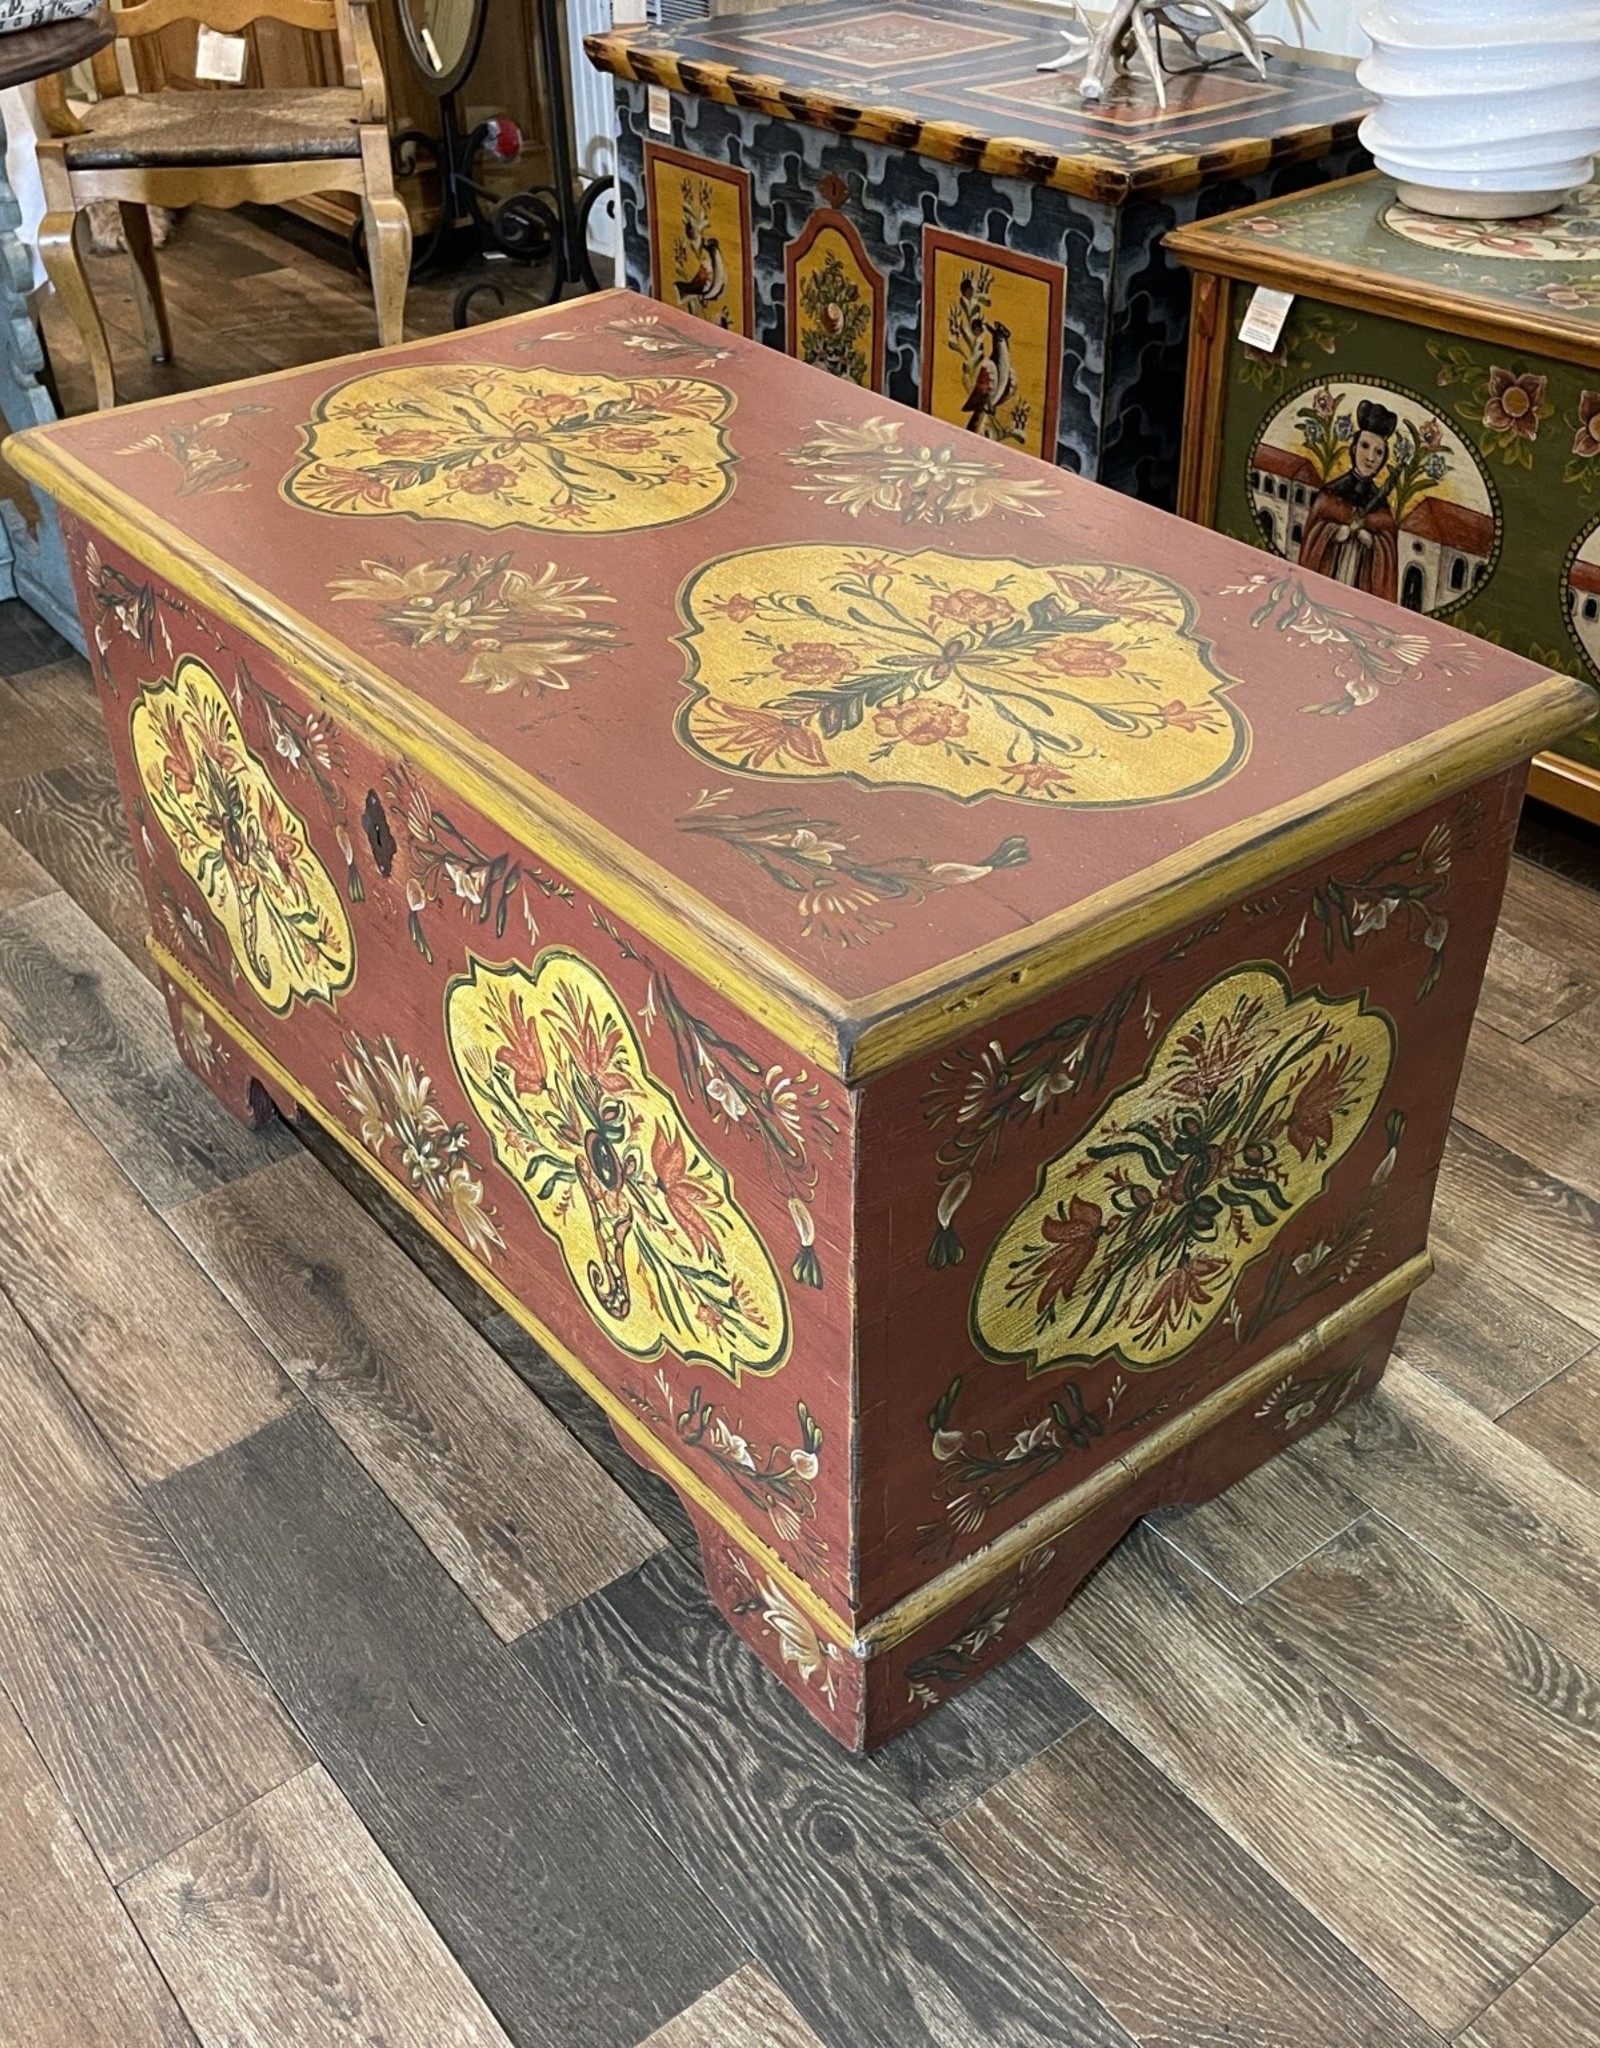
x: 1427, y: 427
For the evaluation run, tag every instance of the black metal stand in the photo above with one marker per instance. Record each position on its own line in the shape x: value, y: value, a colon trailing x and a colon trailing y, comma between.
x: 548, y: 224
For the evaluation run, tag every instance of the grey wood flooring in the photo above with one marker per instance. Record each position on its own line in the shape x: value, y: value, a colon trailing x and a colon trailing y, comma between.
x: 355, y: 1687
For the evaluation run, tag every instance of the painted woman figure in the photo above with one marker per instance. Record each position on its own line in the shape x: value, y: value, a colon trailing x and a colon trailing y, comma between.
x: 1351, y: 534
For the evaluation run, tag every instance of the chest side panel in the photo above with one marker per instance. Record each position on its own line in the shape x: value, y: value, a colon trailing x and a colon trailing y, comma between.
x: 658, y: 1180
x: 1079, y: 1224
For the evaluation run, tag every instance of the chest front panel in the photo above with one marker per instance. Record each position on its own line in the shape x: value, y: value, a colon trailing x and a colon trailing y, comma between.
x: 659, y: 1180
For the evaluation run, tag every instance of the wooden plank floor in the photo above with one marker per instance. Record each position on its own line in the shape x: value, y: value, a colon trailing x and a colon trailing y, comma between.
x: 356, y: 1688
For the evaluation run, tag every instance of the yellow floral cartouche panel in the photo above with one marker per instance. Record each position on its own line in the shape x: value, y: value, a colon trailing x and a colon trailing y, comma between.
x: 1079, y: 684
x: 558, y: 450
x: 1136, y: 1235
x: 239, y: 842
x: 658, y: 1249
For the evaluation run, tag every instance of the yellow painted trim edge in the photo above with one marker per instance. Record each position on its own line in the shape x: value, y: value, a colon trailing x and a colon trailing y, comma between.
x: 970, y: 1574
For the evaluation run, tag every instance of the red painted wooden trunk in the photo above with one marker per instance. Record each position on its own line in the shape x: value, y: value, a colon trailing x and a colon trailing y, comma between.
x: 936, y: 992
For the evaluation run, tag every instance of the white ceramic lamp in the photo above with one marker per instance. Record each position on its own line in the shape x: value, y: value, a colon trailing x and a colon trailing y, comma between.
x: 1489, y: 112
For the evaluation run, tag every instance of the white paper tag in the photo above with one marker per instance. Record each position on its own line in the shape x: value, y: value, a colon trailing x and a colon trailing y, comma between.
x: 1264, y: 317
x: 629, y: 13
x: 220, y: 59
x: 658, y: 106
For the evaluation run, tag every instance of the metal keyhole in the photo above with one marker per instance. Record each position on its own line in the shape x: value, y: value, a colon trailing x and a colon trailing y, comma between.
x: 379, y: 837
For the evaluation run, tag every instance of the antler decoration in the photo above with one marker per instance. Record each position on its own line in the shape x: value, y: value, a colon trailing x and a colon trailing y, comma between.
x: 1132, y: 29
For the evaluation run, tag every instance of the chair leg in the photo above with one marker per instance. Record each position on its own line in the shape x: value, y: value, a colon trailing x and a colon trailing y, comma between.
x: 63, y: 265
x: 389, y: 259
x: 147, y: 281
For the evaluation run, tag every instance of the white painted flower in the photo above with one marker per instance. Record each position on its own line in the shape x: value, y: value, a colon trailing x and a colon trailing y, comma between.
x: 1310, y: 1259
x: 727, y: 1443
x: 464, y: 1204
x: 1298, y: 1413
x: 952, y: 1198
x: 1030, y: 1440
x: 1374, y: 916
x: 804, y: 1464
x: 1436, y: 934
x: 466, y: 881
x: 197, y: 1036
x: 947, y: 1444
x: 721, y: 1093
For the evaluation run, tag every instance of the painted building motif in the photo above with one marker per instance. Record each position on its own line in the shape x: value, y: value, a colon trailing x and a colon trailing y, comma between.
x: 1373, y: 486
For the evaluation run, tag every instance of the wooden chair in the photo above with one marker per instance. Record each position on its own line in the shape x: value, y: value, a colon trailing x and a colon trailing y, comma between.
x: 216, y: 148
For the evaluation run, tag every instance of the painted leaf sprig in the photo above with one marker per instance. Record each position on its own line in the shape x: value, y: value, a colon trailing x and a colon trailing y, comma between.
x: 779, y: 1480
x: 439, y: 862
x: 523, y: 629
x: 866, y: 466
x: 976, y: 1098
x: 838, y: 890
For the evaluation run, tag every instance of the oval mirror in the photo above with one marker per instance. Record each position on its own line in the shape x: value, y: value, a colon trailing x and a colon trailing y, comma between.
x: 443, y: 37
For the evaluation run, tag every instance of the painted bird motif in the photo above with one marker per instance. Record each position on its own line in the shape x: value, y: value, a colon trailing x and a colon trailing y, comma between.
x: 994, y: 381
x: 709, y: 280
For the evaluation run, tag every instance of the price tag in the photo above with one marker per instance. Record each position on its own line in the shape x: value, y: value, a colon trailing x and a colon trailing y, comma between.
x: 220, y: 59
x: 658, y: 106
x: 1264, y: 317
x: 629, y: 13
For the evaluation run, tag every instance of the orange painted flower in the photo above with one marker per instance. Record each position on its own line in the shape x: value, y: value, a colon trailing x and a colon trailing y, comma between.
x: 1186, y: 717
x: 689, y: 1201
x: 177, y: 758
x: 548, y: 409
x: 922, y: 722
x: 763, y: 736
x: 1310, y: 1125
x: 281, y: 838
x: 1074, y: 1234
x: 334, y: 488
x: 738, y: 608
x: 411, y: 442
x: 1514, y: 403
x: 814, y: 661
x: 597, y: 1049
x: 969, y: 607
x: 1183, y: 1292
x: 1038, y: 778
x: 522, y: 1055
x: 1077, y: 655
x: 483, y: 477
x: 623, y: 440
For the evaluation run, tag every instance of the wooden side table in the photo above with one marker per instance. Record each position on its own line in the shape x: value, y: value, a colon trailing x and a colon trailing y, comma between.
x: 34, y: 566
